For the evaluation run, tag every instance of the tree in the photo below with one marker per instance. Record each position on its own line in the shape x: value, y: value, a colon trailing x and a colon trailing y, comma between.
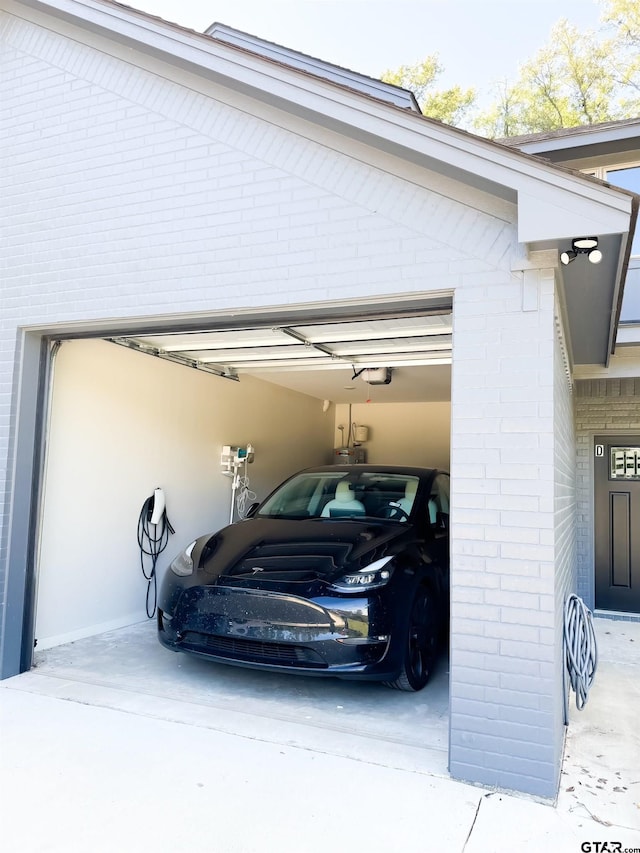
x: 502, y: 117
x: 448, y: 105
x: 568, y: 82
x: 623, y: 18
x: 578, y: 78
x: 624, y: 15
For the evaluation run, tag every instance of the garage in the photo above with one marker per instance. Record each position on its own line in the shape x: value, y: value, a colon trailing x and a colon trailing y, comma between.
x: 130, y: 413
x: 207, y: 244
x: 123, y: 424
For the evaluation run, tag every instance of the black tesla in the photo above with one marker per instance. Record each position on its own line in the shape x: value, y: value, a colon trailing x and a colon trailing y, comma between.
x: 342, y: 571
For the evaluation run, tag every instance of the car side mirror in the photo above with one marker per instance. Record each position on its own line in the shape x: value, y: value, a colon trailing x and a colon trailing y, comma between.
x: 252, y: 510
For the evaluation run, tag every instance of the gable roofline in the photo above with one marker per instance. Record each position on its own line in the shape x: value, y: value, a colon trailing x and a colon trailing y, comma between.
x: 567, y: 138
x: 583, y: 206
x: 296, y: 59
x: 554, y: 204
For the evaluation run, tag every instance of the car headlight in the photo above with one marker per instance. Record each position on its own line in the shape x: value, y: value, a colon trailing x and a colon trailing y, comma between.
x: 183, y: 564
x: 374, y: 575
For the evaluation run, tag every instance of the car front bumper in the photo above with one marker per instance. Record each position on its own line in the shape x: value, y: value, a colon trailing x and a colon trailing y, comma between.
x: 346, y: 635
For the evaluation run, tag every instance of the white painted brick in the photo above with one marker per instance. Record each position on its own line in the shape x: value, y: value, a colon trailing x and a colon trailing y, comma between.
x: 147, y: 197
x: 473, y: 675
x: 470, y: 457
x: 468, y: 531
x: 477, y: 516
x: 467, y: 595
x: 529, y: 584
x: 510, y: 598
x: 529, y: 651
x: 504, y: 534
x: 525, y: 425
x: 510, y: 567
x: 464, y: 561
x: 476, y: 549
x: 541, y: 488
x: 467, y: 501
x: 524, y: 616
x: 526, y: 519
x: 528, y: 503
x: 523, y: 470
x: 527, y: 551
x: 488, y: 645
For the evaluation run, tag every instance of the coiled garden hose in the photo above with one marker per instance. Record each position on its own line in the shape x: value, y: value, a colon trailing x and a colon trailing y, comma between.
x: 580, y: 652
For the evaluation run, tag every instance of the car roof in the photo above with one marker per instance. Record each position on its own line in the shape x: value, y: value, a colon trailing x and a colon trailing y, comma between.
x: 412, y: 470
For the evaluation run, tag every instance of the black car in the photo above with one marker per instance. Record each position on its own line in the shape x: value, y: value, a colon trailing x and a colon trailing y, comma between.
x: 342, y: 571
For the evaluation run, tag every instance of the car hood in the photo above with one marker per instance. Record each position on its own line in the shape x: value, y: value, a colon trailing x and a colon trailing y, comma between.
x: 274, y: 549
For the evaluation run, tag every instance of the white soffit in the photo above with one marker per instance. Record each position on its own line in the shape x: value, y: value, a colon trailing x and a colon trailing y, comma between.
x: 555, y: 214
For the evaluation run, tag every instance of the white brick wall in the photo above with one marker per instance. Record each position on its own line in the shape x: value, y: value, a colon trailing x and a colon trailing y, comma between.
x: 503, y: 643
x: 565, y: 512
x: 149, y: 171
x: 132, y: 195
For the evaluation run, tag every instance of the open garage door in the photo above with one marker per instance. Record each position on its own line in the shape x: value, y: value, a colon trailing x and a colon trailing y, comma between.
x: 380, y: 350
x: 121, y: 425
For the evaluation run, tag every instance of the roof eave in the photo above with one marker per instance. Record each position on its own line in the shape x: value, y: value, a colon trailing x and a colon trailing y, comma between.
x: 554, y: 204
x: 503, y: 171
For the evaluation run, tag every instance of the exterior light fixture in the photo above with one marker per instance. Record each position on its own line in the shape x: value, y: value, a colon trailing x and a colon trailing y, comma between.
x: 582, y: 246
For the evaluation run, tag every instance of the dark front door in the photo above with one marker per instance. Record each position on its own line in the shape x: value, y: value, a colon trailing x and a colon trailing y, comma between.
x: 617, y: 521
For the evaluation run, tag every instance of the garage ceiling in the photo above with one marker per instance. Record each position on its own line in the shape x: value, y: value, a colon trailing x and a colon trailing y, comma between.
x: 327, y: 360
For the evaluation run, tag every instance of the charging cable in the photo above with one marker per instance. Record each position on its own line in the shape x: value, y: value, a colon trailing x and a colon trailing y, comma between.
x: 245, y: 495
x: 153, y: 538
x: 580, y: 652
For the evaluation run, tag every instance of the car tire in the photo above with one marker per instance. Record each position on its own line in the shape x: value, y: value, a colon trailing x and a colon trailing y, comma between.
x: 421, y: 643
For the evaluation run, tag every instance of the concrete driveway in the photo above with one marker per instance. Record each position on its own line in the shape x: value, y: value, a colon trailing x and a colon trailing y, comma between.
x: 95, y: 762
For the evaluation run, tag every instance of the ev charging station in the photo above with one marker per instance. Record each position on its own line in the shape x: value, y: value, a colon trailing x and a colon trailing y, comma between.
x: 233, y: 460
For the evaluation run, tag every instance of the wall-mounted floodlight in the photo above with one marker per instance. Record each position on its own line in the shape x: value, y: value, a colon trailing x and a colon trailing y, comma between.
x: 582, y: 246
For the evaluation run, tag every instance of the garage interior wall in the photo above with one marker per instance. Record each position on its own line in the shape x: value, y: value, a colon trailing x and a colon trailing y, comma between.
x: 401, y: 433
x: 123, y: 423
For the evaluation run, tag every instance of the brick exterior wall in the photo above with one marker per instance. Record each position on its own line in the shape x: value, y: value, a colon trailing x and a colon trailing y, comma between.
x: 565, y: 514
x: 132, y: 194
x: 602, y: 405
x: 505, y: 728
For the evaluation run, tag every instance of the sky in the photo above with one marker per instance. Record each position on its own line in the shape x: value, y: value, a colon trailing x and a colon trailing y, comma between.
x: 479, y: 42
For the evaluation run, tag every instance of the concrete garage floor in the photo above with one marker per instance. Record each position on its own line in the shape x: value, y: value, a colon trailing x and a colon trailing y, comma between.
x: 129, y: 669
x: 157, y: 752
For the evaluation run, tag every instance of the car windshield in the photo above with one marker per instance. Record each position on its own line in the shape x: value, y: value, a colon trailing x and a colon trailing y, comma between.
x: 336, y: 494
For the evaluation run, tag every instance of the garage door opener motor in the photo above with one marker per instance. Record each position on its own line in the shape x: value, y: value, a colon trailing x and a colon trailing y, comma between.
x: 154, y: 528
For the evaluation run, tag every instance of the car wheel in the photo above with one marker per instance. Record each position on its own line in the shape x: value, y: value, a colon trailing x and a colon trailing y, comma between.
x: 421, y: 644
